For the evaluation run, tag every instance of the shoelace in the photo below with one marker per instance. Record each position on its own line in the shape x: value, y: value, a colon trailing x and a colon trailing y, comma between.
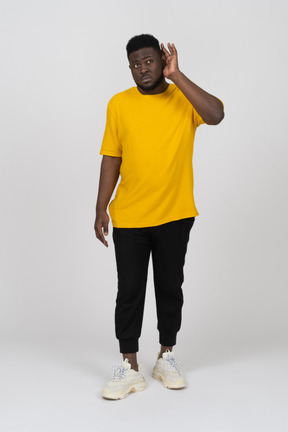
x: 119, y: 372
x: 173, y: 363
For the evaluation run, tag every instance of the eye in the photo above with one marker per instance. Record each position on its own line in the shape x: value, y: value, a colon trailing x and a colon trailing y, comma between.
x: 149, y: 61
x: 136, y: 65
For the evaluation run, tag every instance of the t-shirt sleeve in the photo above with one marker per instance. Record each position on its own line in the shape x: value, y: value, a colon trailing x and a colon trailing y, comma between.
x: 197, y: 119
x: 110, y: 144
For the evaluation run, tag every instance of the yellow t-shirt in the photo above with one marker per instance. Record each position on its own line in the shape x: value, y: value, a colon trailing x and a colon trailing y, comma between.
x: 154, y: 135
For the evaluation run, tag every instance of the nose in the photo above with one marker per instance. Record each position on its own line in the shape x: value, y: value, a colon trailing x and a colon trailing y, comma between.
x: 143, y: 69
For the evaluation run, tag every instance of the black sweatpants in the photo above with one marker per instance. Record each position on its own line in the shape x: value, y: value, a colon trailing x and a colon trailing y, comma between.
x: 168, y: 245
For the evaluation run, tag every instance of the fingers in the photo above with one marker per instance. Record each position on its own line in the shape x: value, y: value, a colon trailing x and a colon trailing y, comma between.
x: 99, y: 232
x: 165, y: 50
x: 171, y: 48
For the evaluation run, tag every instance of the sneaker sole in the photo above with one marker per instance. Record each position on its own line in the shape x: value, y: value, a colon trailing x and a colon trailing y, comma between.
x: 137, y: 387
x: 159, y: 377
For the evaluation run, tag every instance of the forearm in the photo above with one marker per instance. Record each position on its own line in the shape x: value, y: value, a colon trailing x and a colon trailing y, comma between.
x: 109, y: 174
x: 208, y: 106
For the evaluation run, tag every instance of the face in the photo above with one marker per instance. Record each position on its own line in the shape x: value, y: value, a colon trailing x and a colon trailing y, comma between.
x: 146, y: 66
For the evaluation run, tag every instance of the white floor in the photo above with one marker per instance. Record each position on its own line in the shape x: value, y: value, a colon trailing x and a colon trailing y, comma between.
x: 58, y: 388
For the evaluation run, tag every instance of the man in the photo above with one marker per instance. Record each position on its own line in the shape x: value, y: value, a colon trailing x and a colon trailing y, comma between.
x: 149, y: 139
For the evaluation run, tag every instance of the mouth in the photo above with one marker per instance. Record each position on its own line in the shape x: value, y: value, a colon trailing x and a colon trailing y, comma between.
x: 145, y: 78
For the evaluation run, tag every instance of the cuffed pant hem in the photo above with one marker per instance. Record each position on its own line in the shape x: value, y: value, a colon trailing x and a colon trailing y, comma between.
x: 167, y: 339
x: 128, y: 346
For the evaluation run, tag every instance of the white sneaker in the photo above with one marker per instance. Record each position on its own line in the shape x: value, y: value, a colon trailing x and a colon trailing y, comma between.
x: 167, y: 370
x: 124, y: 381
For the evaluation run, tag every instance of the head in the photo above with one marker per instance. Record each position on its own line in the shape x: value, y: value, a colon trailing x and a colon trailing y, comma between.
x: 146, y: 61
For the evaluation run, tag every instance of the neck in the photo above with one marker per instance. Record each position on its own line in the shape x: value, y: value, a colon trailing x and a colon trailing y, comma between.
x: 161, y: 87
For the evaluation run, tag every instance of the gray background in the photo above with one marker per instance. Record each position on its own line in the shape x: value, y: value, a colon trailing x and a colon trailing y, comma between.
x: 61, y: 62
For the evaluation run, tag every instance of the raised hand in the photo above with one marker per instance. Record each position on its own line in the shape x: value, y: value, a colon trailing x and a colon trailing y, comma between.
x: 171, y: 59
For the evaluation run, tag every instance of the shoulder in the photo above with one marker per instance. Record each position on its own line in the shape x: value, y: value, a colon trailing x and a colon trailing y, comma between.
x: 178, y: 98
x: 176, y: 92
x: 122, y: 97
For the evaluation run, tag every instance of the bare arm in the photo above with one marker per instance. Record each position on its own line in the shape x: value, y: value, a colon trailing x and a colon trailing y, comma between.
x: 208, y: 106
x: 109, y: 174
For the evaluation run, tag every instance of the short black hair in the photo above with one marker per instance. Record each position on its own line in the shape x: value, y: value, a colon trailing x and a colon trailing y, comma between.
x: 142, y: 41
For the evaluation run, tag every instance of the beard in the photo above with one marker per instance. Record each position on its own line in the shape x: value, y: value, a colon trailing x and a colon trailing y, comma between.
x: 154, y: 85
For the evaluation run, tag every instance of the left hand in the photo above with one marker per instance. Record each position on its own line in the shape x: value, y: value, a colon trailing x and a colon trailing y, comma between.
x: 171, y: 59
